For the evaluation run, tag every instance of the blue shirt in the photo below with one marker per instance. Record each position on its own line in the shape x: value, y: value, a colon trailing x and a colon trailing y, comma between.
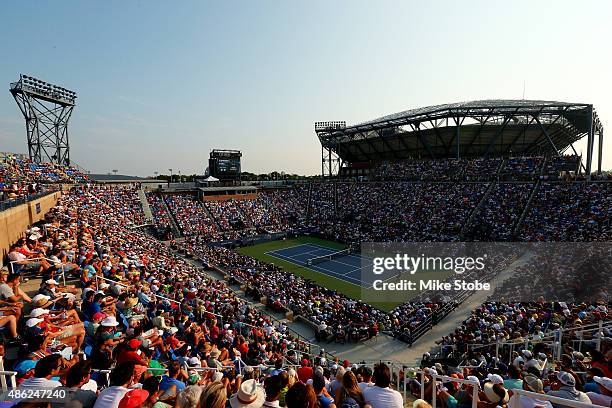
x: 167, y: 382
x: 324, y: 401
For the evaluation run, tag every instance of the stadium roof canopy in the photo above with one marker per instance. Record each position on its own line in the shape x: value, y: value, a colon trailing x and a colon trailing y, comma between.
x: 487, y: 128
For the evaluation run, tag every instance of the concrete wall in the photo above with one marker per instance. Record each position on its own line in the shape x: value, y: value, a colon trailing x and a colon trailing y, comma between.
x: 14, y: 221
x: 250, y: 196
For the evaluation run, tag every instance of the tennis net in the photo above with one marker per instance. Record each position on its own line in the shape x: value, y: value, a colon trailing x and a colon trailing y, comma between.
x: 328, y: 257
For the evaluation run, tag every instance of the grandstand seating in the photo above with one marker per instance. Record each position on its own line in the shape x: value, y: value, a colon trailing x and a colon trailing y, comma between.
x: 20, y: 177
x: 169, y: 304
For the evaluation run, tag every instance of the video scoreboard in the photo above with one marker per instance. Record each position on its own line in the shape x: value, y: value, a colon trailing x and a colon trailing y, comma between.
x: 225, y: 164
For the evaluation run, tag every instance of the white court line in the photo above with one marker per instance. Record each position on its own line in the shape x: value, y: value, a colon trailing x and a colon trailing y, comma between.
x: 289, y: 247
x: 295, y: 256
x: 337, y: 260
x: 333, y: 274
x: 349, y: 255
x: 317, y: 247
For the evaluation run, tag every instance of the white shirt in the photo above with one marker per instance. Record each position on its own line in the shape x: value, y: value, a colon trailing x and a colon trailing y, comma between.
x: 599, y: 399
x: 379, y: 397
x: 528, y: 402
x: 90, y: 385
x: 36, y: 382
x: 364, y: 385
x: 110, y: 397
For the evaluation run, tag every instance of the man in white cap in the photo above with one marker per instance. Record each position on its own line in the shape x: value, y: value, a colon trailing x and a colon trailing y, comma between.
x: 568, y: 389
x: 604, y: 398
x: 532, y: 383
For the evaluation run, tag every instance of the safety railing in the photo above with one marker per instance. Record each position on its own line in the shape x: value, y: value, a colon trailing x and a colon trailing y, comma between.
x: 576, y: 335
x: 12, y: 376
x: 33, y: 260
x: 515, y: 400
x: 434, y: 389
x: 14, y: 202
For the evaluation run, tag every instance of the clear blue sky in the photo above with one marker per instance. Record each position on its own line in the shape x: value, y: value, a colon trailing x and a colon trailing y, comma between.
x: 160, y: 84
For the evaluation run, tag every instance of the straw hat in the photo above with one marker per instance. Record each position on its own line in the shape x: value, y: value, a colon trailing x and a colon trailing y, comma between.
x: 250, y: 395
x: 493, y: 391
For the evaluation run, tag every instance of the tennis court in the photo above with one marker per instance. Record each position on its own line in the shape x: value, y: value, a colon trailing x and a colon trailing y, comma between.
x: 343, y: 266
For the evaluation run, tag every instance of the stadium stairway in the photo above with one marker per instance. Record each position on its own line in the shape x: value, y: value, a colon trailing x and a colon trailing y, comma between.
x: 308, y: 202
x: 212, y: 217
x: 468, y: 224
x: 533, y: 194
x: 175, y: 229
x: 145, y: 205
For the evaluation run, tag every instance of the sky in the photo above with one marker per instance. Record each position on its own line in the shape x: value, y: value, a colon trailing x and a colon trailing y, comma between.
x: 161, y: 83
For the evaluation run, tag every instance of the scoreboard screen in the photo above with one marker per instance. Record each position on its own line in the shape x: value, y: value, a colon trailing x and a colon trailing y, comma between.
x: 228, y: 166
x: 225, y: 164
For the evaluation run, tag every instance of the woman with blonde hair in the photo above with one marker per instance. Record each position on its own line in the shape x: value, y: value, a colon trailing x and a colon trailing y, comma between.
x: 214, y: 396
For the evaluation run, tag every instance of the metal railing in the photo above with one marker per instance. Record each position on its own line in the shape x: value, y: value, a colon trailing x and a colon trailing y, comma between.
x: 14, y: 202
x: 554, y: 338
x: 515, y: 400
x: 32, y: 260
x: 12, y: 375
x: 435, y: 378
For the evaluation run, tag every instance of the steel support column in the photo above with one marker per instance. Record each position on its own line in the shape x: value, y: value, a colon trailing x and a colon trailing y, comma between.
x: 590, y: 138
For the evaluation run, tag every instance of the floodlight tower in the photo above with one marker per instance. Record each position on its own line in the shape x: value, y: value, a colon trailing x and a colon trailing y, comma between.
x: 46, y: 109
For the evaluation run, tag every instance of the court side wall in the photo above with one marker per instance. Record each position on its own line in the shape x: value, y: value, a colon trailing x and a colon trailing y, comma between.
x: 14, y: 221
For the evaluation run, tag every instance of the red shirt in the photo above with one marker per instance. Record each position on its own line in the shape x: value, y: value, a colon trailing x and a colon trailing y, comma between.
x: 173, y: 341
x: 304, y: 374
x: 214, y: 332
x: 130, y: 355
x: 243, y: 348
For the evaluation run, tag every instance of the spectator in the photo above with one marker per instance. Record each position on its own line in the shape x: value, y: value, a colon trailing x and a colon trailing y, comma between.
x: 380, y: 395
x: 122, y: 378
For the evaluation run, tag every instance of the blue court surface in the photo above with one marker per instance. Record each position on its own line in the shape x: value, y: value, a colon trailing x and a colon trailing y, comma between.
x: 346, y: 267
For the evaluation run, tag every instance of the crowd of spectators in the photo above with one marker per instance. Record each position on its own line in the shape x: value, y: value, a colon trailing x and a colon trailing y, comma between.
x: 396, y: 211
x: 161, y: 218
x: 191, y: 216
x: 516, y: 322
x: 169, y: 334
x: 336, y: 316
x: 518, y: 168
x: 522, y: 168
x: 576, y: 377
x: 158, y: 323
x: 496, y: 219
x: 19, y: 176
x: 477, y: 169
x: 219, y: 220
x: 559, y: 166
x: 566, y: 211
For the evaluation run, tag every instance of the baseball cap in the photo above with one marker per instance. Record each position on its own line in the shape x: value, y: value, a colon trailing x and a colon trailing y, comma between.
x: 134, y: 343
x: 194, y: 362
x: 495, y: 378
x: 566, y: 378
x: 534, y: 383
x: 38, y: 312
x: 98, y: 316
x: 33, y: 321
x: 604, y: 382
x: 40, y: 296
x: 134, y: 398
x: 24, y: 366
